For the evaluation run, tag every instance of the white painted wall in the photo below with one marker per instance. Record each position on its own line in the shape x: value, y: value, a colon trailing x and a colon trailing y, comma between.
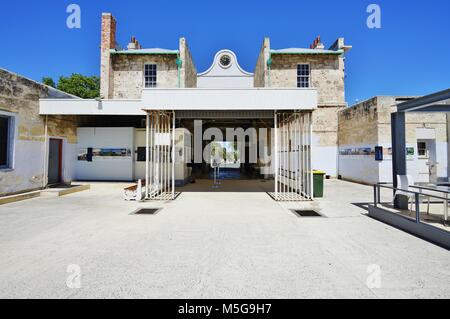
x: 121, y: 169
x: 365, y: 169
x: 181, y: 170
x: 324, y: 158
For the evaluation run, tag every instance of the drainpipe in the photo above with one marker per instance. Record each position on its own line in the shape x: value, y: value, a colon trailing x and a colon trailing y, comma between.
x: 45, y: 177
x: 269, y: 64
x: 179, y: 64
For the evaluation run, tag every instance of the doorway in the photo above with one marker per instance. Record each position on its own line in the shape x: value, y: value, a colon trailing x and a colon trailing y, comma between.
x: 55, y: 161
x: 427, y: 165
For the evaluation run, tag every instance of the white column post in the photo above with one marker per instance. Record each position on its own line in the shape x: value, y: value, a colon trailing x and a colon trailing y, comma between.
x: 310, y: 156
x: 275, y: 156
x: 173, y: 154
x: 147, y: 159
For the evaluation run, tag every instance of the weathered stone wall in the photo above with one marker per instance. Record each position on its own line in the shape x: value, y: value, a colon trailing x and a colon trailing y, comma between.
x: 188, y: 72
x: 261, y: 69
x: 327, y: 75
x: 358, y: 125
x: 20, y: 97
x: 128, y: 73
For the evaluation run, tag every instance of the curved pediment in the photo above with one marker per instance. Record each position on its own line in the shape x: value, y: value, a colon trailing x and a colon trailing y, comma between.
x: 225, y: 72
x: 225, y: 64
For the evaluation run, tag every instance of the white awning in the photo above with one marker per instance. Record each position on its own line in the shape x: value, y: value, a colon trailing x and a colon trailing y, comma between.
x: 188, y: 99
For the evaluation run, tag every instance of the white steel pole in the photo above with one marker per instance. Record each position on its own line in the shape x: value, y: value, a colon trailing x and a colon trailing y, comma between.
x: 152, y: 152
x: 46, y: 147
x: 165, y: 155
x: 275, y: 156
x: 310, y: 156
x: 173, y: 155
x: 147, y: 160
x: 285, y: 155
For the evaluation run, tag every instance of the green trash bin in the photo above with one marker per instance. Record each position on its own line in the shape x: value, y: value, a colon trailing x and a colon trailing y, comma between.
x: 319, y: 177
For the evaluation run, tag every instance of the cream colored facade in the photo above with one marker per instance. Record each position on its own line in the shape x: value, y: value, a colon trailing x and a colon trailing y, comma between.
x: 29, y: 138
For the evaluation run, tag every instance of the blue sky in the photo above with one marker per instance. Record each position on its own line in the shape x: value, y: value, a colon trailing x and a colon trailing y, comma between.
x: 409, y: 55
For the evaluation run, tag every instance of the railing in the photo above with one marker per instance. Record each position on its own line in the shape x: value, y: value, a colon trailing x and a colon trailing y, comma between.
x: 417, y: 194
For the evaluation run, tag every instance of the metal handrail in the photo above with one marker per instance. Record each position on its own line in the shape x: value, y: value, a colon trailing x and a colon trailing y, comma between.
x: 384, y: 185
x: 377, y: 196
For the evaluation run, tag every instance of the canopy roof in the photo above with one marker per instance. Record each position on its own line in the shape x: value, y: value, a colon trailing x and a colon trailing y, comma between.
x: 437, y: 102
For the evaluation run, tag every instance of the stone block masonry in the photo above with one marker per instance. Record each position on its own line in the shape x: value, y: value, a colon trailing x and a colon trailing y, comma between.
x: 19, y: 99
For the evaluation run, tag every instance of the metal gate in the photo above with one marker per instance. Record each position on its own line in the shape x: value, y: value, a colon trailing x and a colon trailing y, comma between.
x: 293, y: 169
x: 160, y: 152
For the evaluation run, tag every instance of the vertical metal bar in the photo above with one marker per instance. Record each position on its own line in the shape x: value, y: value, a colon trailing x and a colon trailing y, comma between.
x: 166, y: 159
x: 375, y: 202
x: 157, y: 147
x: 311, y: 175
x: 290, y: 148
x: 285, y: 155
x: 304, y: 180
x: 295, y: 156
x: 173, y: 154
x: 167, y: 147
x: 276, y: 155
x: 298, y: 154
x: 379, y: 194
x: 46, y: 152
x: 152, y: 157
x: 399, y: 166
x: 147, y: 159
x: 417, y: 199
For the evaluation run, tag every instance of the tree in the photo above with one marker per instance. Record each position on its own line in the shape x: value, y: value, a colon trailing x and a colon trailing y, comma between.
x: 86, y: 87
x: 49, y: 81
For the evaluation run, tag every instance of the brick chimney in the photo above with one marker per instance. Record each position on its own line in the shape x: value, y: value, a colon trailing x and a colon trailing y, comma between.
x: 108, y: 42
x: 317, y: 44
x: 134, y: 44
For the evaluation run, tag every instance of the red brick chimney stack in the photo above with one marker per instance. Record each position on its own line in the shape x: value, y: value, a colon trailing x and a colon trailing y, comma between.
x: 108, y: 42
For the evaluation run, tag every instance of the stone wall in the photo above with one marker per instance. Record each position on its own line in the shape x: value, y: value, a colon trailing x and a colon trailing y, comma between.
x: 128, y: 73
x: 358, y: 125
x: 19, y: 98
x: 261, y: 69
x: 188, y: 72
x: 327, y: 75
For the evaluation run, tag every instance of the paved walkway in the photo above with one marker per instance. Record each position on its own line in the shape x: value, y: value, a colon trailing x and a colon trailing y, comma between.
x: 212, y: 245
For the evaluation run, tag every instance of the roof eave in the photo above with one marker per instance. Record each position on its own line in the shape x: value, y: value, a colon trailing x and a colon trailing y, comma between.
x: 131, y: 52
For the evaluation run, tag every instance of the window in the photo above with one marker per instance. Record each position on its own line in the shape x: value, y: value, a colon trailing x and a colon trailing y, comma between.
x: 141, y: 154
x: 150, y: 76
x: 422, y: 149
x: 303, y: 75
x: 5, y: 141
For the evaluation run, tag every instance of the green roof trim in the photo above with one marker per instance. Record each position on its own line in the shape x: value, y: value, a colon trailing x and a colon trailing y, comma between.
x: 144, y: 52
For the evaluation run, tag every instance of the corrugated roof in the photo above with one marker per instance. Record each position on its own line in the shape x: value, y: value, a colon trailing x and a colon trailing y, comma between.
x: 145, y: 51
x: 305, y: 51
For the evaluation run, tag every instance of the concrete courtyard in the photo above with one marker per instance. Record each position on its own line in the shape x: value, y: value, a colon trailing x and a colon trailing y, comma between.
x: 212, y: 245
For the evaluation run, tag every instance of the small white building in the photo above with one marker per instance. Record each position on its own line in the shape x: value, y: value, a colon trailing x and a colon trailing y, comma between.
x: 365, y: 143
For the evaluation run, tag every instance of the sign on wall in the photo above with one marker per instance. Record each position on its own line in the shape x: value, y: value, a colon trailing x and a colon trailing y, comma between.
x: 104, y: 153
